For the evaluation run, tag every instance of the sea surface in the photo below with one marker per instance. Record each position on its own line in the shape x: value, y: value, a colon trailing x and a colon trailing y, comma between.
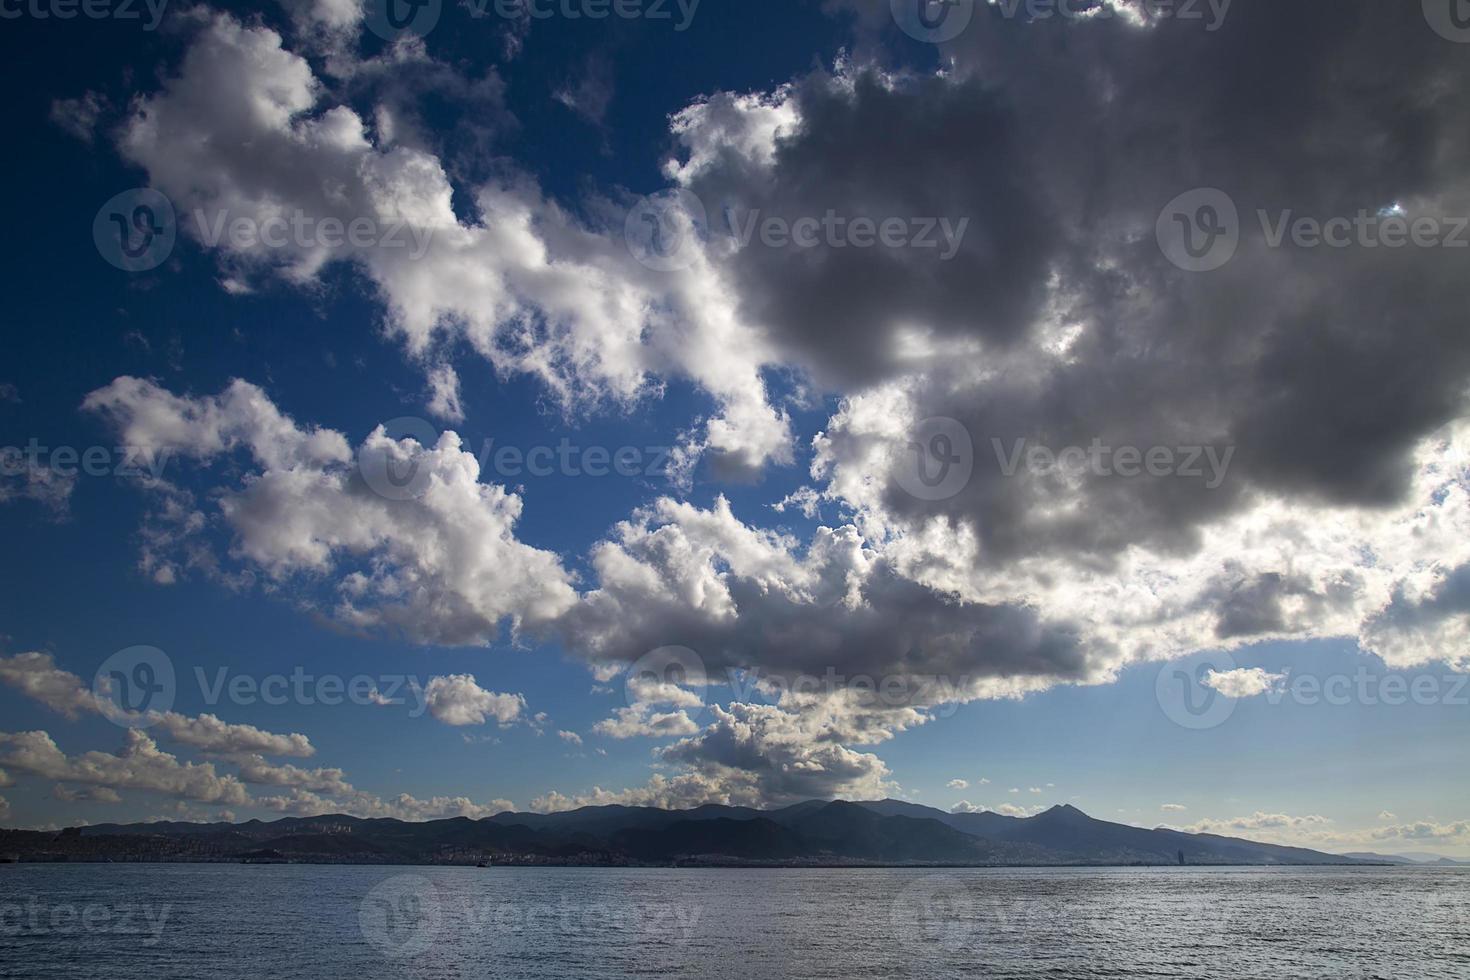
x: 131, y: 922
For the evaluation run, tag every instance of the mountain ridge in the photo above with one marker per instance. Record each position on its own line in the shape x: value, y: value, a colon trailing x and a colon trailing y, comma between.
x: 812, y: 832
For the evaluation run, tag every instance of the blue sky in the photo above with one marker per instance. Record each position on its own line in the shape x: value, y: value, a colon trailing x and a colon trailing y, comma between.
x: 773, y: 391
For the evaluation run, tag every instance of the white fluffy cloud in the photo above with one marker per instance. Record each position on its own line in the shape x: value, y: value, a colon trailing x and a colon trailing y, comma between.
x: 1457, y: 832
x: 643, y: 722
x: 37, y: 676
x: 458, y: 700
x: 139, y: 765
x: 444, y: 566
x: 1243, y: 682
x: 247, y: 130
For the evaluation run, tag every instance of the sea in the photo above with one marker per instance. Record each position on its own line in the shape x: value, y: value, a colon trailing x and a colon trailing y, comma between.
x: 185, y: 921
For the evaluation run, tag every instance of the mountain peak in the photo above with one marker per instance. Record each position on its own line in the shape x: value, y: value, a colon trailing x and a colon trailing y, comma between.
x: 1064, y: 810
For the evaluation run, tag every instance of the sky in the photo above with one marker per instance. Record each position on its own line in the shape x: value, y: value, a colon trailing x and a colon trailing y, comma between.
x: 432, y: 410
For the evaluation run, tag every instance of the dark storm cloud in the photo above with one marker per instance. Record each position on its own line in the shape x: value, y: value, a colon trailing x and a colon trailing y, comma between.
x: 1063, y: 141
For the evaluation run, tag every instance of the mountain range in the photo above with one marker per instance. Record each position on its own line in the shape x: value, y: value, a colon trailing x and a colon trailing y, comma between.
x: 816, y: 832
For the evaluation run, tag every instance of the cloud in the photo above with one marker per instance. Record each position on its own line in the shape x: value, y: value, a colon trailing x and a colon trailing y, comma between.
x: 140, y: 765
x: 37, y: 676
x: 1244, y: 682
x: 1005, y: 809
x: 444, y: 401
x: 958, y: 784
x: 1173, y: 807
x: 257, y: 771
x: 1059, y: 322
x: 91, y: 794
x: 442, y: 567
x: 246, y: 128
x: 29, y: 479
x: 643, y: 722
x: 458, y: 700
x: 1309, y: 830
x: 208, y: 734
x: 1457, y: 832
x: 400, y: 807
x: 79, y: 116
x: 571, y: 738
